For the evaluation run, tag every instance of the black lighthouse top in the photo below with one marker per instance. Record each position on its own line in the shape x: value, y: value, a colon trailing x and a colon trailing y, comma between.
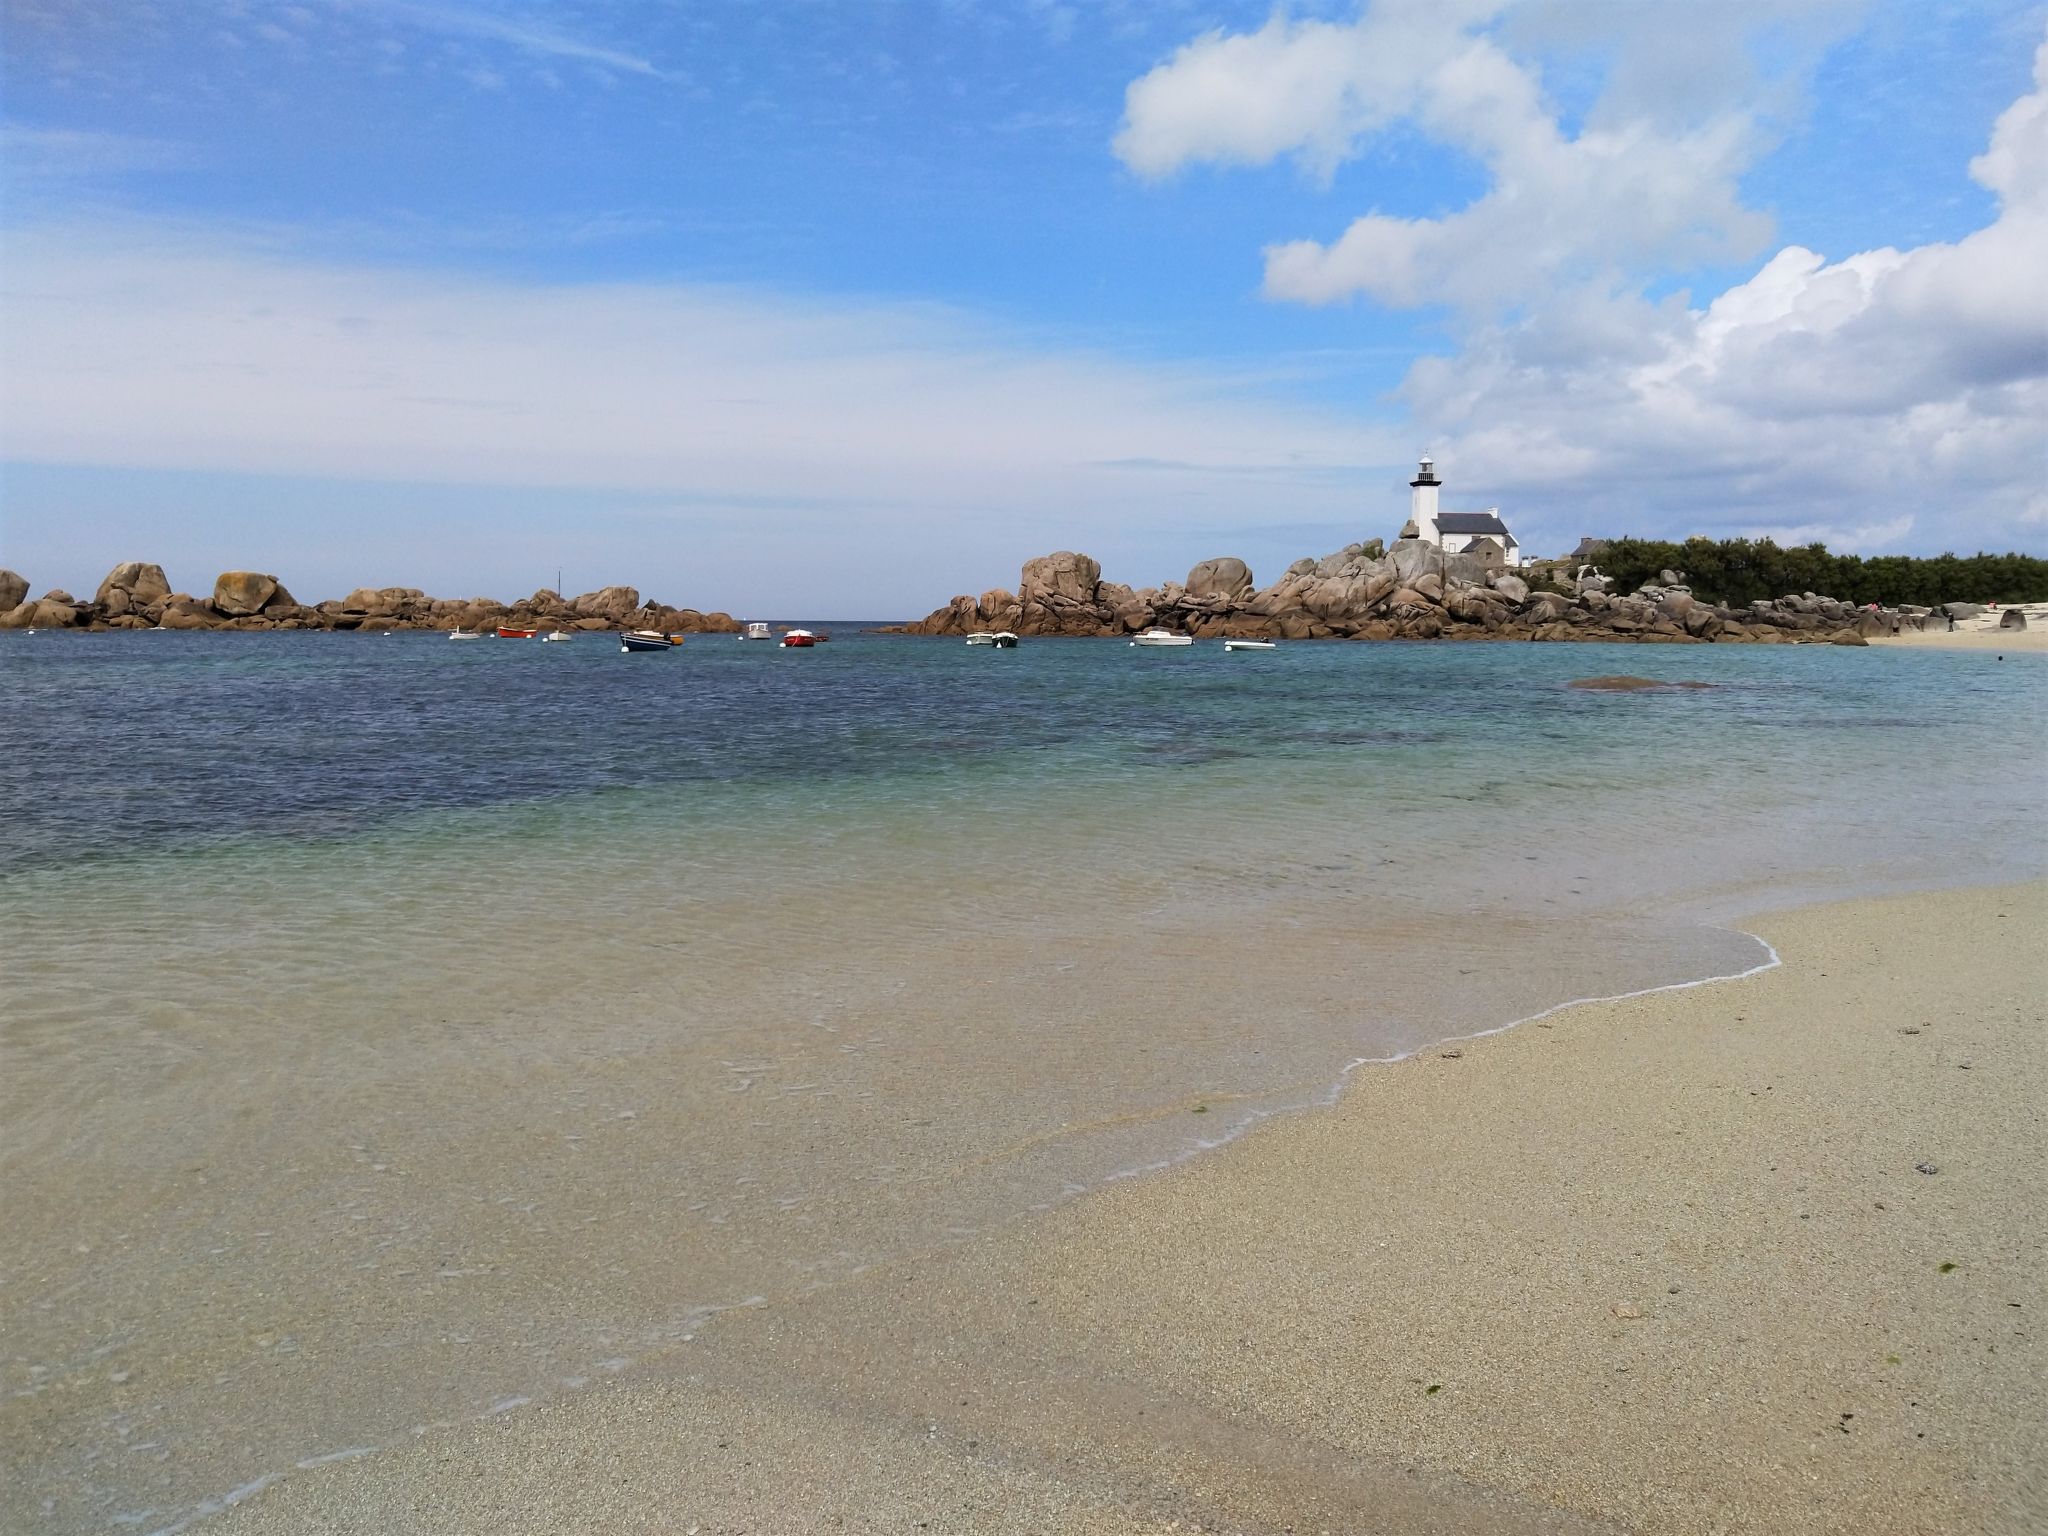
x: 1425, y: 475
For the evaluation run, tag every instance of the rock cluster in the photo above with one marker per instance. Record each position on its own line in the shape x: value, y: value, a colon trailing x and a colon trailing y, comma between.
x: 1412, y: 590
x: 139, y: 596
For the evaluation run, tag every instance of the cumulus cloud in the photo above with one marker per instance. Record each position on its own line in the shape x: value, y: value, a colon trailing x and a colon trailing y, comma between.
x: 1630, y: 186
x: 1887, y: 399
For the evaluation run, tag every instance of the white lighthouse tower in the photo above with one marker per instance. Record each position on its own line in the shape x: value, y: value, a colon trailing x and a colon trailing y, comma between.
x: 1422, y: 502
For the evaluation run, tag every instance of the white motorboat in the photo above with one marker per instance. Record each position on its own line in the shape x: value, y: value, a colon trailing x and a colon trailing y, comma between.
x: 560, y: 634
x: 465, y: 634
x: 982, y: 637
x: 1250, y: 645
x: 1162, y: 637
x: 1003, y: 640
x: 756, y: 631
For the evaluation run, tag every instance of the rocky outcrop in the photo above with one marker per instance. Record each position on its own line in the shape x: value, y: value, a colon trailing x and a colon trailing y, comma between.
x: 244, y: 594
x: 1411, y: 590
x: 1227, y: 577
x: 137, y: 595
x: 133, y: 590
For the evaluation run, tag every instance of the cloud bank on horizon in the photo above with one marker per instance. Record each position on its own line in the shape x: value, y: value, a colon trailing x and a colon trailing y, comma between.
x: 856, y: 314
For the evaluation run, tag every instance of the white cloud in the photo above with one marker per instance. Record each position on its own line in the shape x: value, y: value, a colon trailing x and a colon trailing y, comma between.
x: 1889, y: 399
x: 527, y: 31
x: 139, y: 346
x: 1632, y: 186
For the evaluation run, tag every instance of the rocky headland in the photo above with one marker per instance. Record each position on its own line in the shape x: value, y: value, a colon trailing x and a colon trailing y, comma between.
x: 1411, y: 591
x: 137, y: 595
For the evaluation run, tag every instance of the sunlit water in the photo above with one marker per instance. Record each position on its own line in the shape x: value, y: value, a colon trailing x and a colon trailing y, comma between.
x: 393, y: 1032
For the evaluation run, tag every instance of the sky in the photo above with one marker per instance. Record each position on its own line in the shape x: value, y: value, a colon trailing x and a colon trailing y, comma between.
x: 838, y: 309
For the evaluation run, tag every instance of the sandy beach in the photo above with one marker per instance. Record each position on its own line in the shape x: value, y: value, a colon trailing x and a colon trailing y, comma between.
x: 1758, y: 1256
x: 2009, y: 641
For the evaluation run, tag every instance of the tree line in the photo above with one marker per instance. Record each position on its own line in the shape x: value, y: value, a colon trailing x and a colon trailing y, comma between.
x: 1739, y: 571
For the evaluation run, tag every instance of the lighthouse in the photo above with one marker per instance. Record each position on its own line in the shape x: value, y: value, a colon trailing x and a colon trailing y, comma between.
x: 1422, y: 502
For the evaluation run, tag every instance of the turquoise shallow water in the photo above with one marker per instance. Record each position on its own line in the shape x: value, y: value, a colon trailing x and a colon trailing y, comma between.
x: 394, y: 1030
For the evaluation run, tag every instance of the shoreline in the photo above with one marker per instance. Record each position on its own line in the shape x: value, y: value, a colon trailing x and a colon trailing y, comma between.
x: 2018, y: 641
x: 834, y: 1383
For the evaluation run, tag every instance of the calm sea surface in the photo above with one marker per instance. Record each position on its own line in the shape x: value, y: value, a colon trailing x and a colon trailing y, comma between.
x: 395, y: 1032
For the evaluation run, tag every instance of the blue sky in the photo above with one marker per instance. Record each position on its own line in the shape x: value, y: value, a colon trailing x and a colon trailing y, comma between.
x: 843, y: 308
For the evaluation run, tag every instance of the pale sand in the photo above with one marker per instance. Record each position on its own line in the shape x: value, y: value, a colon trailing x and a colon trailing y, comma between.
x: 1669, y: 1258
x: 2009, y: 641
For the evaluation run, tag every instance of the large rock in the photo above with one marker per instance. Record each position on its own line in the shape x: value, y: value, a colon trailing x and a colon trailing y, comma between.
x: 184, y: 611
x: 1414, y: 559
x: 20, y: 616
x: 13, y: 590
x: 613, y: 603
x: 1513, y: 588
x: 54, y: 610
x: 243, y: 594
x: 1227, y: 577
x: 131, y: 588
x: 1062, y: 574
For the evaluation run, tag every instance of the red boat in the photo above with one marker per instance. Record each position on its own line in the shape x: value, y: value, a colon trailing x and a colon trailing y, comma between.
x: 798, y: 638
x: 506, y: 632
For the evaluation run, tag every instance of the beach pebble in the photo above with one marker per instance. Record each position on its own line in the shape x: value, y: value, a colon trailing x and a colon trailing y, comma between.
x: 1626, y: 1309
x: 1925, y: 1168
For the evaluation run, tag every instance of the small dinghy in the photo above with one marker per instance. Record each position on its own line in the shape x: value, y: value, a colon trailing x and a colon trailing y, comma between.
x: 1162, y: 637
x: 1250, y: 645
x: 508, y: 632
x: 559, y: 634
x: 464, y: 634
x: 799, y: 639
x: 647, y: 640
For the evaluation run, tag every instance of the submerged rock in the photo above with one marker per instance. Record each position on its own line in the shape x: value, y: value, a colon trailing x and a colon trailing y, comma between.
x: 1626, y: 684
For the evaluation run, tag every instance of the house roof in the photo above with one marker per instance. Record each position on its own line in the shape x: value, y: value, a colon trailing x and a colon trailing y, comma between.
x: 1473, y: 522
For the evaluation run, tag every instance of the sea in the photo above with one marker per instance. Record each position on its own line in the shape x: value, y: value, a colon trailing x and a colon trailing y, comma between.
x: 396, y: 1033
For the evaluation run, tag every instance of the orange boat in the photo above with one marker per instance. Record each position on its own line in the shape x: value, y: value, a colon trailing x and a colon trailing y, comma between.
x: 506, y: 632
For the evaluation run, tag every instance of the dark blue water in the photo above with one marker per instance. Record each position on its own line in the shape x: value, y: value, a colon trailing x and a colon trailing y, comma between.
x: 134, y: 744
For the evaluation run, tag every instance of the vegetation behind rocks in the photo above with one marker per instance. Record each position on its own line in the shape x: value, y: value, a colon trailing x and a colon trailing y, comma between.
x: 1740, y: 571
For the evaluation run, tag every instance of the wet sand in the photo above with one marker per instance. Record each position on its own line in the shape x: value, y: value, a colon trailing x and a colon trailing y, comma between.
x: 1759, y: 1256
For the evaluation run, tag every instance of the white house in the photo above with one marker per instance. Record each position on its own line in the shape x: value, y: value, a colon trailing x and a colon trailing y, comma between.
x: 1454, y: 532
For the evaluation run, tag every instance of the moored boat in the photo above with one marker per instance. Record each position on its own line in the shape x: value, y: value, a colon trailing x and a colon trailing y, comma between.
x: 1162, y: 637
x: 982, y: 637
x: 1003, y: 640
x: 799, y: 639
x: 1249, y: 645
x: 756, y: 631
x: 646, y: 640
x: 560, y: 634
x: 459, y: 633
x: 507, y: 632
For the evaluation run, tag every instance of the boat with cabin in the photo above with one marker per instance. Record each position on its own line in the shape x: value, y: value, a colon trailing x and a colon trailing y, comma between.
x: 756, y: 631
x: 1162, y: 637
